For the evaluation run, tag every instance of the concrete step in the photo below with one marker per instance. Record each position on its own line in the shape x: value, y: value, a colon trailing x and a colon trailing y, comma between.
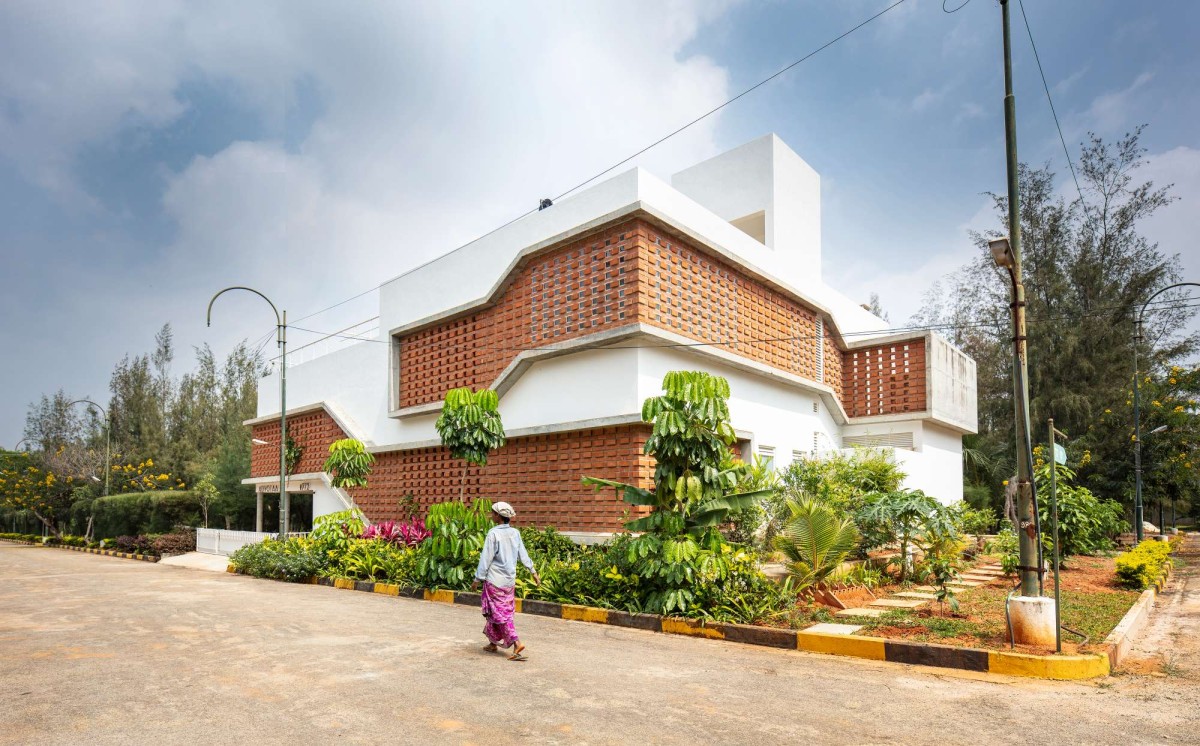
x: 829, y: 628
x: 897, y: 603
x: 860, y: 612
x: 917, y: 594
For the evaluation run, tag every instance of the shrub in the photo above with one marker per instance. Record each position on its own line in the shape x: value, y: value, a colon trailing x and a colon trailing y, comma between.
x: 815, y: 540
x: 178, y: 542
x: 1144, y: 565
x: 333, y: 532
x: 1085, y: 524
x: 447, y: 559
x: 839, y: 481
x: 907, y: 517
x: 408, y: 534
x: 376, y: 559
x: 138, y: 513
x: 470, y: 427
x: 140, y: 544
x: 349, y: 463
x: 547, y: 545
x: 1008, y: 545
x: 296, y: 559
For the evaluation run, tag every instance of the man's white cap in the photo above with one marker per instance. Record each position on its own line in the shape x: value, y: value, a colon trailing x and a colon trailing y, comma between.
x: 503, y: 509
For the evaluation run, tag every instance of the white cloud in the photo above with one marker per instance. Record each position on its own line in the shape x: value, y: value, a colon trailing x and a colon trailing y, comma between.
x: 1112, y: 110
x: 1174, y: 227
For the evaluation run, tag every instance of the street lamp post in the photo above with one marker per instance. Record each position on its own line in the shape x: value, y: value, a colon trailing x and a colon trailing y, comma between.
x: 1137, y: 414
x: 1032, y: 617
x: 107, y: 439
x: 281, y: 340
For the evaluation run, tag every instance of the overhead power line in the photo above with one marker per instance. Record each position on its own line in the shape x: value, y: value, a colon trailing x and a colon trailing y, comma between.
x: 1053, y: 112
x: 627, y: 159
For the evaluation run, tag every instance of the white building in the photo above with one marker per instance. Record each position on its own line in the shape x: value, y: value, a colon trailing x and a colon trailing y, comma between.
x: 574, y: 314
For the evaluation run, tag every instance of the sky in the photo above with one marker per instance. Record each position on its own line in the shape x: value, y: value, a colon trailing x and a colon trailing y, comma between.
x: 153, y: 153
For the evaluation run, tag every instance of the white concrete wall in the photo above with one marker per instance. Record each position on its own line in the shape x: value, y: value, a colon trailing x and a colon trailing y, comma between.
x: 773, y: 414
x: 587, y: 385
x: 953, y: 384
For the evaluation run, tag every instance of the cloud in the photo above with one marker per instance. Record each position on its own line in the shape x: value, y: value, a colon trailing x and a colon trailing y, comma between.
x: 1174, y: 227
x: 434, y: 123
x: 1111, y: 111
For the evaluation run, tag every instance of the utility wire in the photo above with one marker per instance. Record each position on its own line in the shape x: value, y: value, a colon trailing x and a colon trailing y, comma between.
x: 998, y: 323
x: 618, y: 164
x: 1053, y: 112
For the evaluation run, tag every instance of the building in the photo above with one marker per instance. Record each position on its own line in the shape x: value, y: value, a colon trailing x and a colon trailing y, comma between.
x: 574, y: 314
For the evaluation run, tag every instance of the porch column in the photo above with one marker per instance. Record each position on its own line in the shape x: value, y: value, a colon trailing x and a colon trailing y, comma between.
x: 258, y: 511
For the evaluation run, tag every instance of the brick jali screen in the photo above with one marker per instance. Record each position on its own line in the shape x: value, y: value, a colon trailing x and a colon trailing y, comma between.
x: 885, y: 379
x: 540, y: 475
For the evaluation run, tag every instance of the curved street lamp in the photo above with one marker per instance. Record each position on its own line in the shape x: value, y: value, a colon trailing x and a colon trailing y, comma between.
x: 1137, y: 412
x: 281, y: 340
x: 107, y: 439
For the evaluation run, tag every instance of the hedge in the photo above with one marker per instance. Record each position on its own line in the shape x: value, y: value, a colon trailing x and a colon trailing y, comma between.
x: 137, y: 513
x: 1143, y: 566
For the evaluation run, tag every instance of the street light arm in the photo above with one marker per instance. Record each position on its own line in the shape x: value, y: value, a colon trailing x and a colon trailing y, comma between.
x: 241, y: 287
x: 94, y: 404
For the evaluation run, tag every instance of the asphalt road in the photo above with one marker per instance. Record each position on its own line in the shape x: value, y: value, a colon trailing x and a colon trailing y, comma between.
x: 103, y: 650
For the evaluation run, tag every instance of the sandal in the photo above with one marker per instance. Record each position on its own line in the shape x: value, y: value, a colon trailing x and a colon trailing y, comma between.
x: 516, y: 653
x: 490, y: 648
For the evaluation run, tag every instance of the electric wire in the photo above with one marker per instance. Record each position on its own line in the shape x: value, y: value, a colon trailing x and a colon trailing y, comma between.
x: 623, y: 161
x: 1046, y: 86
x: 999, y: 323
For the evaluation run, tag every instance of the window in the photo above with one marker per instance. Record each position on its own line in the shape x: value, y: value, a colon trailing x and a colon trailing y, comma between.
x: 767, y: 454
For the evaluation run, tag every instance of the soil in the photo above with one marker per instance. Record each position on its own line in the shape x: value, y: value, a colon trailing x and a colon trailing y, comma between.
x: 1088, y: 585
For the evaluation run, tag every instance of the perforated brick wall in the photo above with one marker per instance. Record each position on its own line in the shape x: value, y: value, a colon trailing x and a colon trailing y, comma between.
x: 885, y: 379
x: 540, y: 475
x: 313, y: 432
x: 633, y: 272
x: 579, y: 289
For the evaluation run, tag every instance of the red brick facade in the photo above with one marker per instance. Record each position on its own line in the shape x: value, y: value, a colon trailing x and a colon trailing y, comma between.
x: 885, y: 379
x: 631, y: 273
x: 540, y: 474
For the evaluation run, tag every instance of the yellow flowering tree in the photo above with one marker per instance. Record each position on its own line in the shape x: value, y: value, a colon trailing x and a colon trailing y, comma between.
x: 1171, y: 465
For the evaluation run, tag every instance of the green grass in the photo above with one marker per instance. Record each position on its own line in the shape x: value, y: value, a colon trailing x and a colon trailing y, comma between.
x: 982, y: 617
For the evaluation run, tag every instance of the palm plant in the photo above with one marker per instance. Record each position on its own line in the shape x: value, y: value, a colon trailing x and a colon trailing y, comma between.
x: 815, y: 540
x: 349, y: 463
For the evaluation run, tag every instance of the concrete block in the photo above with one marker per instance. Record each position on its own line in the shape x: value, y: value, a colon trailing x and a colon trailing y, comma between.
x: 917, y: 594
x: 863, y: 611
x: 828, y: 628
x: 890, y: 603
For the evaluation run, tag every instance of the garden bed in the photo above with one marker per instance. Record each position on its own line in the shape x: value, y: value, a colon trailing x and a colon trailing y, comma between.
x: 1092, y: 603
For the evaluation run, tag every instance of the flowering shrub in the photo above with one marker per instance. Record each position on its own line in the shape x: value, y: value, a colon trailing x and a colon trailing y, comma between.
x: 1144, y: 565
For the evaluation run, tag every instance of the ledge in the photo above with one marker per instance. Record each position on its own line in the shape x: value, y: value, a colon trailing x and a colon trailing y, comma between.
x: 105, y: 552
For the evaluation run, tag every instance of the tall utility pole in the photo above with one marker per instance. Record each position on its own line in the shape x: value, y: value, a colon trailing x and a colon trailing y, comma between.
x: 281, y: 340
x: 1027, y: 530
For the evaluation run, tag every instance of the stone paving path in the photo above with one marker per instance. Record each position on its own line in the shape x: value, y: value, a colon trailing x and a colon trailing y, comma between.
x: 1170, y: 643
x: 915, y: 598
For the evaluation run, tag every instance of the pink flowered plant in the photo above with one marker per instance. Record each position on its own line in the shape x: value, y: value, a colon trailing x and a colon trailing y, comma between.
x: 401, y: 534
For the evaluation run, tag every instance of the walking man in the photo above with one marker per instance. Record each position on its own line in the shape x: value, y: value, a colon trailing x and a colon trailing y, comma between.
x: 498, y: 573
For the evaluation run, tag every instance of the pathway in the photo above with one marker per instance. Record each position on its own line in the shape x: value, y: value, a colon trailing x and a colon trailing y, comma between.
x: 1169, y: 645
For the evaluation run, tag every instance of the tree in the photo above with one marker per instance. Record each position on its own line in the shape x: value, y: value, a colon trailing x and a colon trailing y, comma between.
x: 52, y: 422
x: 1086, y: 269
x: 695, y: 476
x: 875, y: 307
x: 470, y: 427
x: 349, y: 463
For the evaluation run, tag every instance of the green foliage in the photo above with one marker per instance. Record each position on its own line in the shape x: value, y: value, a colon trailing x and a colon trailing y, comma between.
x: 972, y: 521
x: 839, y: 481
x: 349, y: 463
x: 1008, y: 545
x: 1144, y: 565
x: 137, y: 513
x: 696, y: 478
x: 815, y: 541
x: 375, y: 559
x: 906, y: 517
x: 292, y: 453
x: 547, y: 545
x: 938, y: 571
x: 746, y: 525
x: 334, y: 533
x: 470, y: 424
x: 861, y: 575
x: 296, y: 559
x: 1085, y: 525
x: 448, y: 557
